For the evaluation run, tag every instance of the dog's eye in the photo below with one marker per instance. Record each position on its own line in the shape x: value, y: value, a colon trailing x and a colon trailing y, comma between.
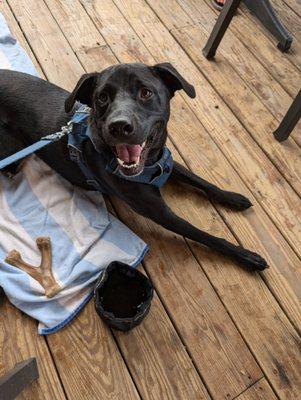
x: 145, y: 93
x: 103, y: 98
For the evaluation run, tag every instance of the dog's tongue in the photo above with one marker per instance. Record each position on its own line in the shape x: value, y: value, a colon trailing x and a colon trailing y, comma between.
x: 129, y: 153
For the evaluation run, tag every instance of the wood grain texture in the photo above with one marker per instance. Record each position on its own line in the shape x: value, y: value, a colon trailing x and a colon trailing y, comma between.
x: 17, y: 33
x: 251, y: 36
x: 89, y: 362
x: 43, y: 34
x: 157, y: 360
x: 264, y: 326
x: 254, y: 229
x: 261, y: 390
x: 19, y: 341
x: 18, y: 333
x: 295, y: 6
x: 182, y: 380
x: 248, y: 51
x: 264, y: 180
x: 254, y: 84
x: 269, y: 313
x: 292, y: 22
x: 256, y: 77
x: 249, y: 32
x: 241, y: 356
x: 259, y: 122
x: 207, y: 332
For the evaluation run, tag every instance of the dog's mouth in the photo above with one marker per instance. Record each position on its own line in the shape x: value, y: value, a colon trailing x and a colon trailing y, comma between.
x: 131, y: 157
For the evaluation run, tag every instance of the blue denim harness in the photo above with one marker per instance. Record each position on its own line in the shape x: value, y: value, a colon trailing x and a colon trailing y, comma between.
x: 156, y: 174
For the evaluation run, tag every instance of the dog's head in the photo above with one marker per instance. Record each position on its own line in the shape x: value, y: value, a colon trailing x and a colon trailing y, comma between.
x: 130, y: 110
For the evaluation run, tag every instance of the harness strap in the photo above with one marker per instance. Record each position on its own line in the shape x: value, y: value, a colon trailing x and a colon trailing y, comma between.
x: 80, y: 115
x: 75, y: 144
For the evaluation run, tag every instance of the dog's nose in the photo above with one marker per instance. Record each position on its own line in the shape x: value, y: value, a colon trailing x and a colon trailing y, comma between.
x: 121, y: 128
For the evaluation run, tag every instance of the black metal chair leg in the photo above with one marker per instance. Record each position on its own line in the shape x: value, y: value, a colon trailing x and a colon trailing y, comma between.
x: 290, y: 120
x: 266, y: 14
x: 12, y: 383
x: 220, y: 28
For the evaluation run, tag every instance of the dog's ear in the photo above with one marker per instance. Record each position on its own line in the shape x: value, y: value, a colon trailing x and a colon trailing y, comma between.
x: 82, y: 92
x: 173, y: 79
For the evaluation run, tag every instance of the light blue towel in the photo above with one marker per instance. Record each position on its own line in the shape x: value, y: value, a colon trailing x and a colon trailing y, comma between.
x: 85, y: 237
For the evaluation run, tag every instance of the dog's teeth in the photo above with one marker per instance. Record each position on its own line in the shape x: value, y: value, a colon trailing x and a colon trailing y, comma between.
x: 143, y: 144
x: 123, y: 164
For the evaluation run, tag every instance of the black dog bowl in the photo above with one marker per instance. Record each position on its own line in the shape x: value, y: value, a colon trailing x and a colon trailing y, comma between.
x: 122, y: 296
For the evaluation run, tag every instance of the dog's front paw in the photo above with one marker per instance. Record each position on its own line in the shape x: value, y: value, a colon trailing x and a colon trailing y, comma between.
x: 233, y: 200
x: 252, y: 260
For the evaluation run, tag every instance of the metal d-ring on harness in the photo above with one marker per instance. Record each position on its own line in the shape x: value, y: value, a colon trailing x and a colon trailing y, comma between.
x: 76, y: 130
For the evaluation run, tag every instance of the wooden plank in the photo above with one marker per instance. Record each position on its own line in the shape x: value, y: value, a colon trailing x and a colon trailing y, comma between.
x: 82, y: 36
x: 89, y: 362
x: 250, y: 32
x: 247, y: 29
x: 155, y: 342
x: 205, y: 158
x: 117, y: 380
x: 262, y: 323
x: 261, y: 390
x: 293, y: 24
x: 182, y: 374
x: 256, y: 76
x: 232, y: 378
x: 253, y: 228
x: 238, y: 50
x: 264, y: 315
x: 20, y: 341
x: 253, y: 87
x: 175, y: 377
x: 158, y: 360
x: 26, y: 340
x: 93, y: 368
x: 295, y: 6
x: 17, y: 33
x: 259, y: 122
x: 259, y: 174
x: 42, y: 32
x: 196, y: 311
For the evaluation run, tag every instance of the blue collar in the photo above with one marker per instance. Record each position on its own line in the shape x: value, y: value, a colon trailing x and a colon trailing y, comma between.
x: 156, y: 174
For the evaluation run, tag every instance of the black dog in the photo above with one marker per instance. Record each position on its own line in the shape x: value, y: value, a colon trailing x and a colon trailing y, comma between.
x: 130, y: 111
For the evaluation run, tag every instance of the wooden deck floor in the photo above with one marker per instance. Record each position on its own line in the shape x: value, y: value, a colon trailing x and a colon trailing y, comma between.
x: 214, y: 330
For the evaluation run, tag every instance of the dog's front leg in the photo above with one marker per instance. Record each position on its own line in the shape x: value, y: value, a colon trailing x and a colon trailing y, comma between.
x: 214, y: 193
x: 151, y: 205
